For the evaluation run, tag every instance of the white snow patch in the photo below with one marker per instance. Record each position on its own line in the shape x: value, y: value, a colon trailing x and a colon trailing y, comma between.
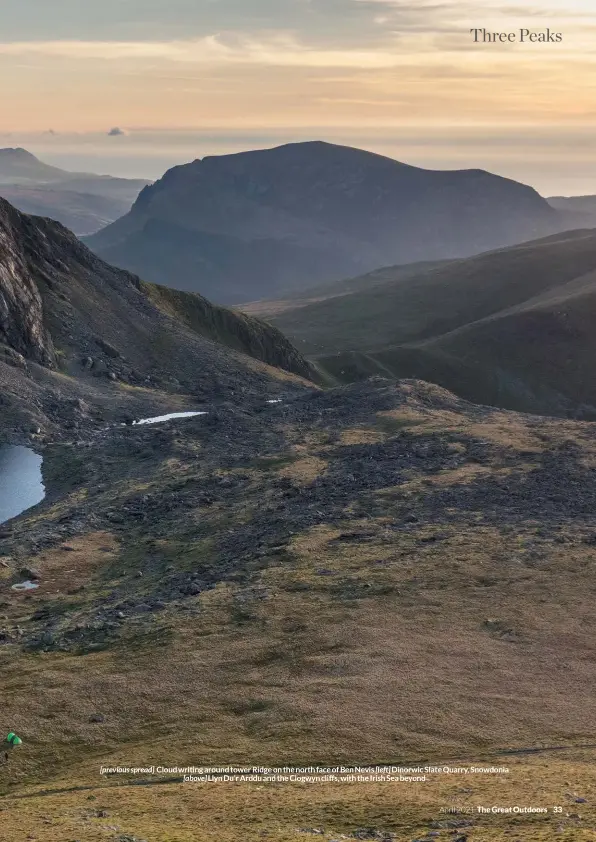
x: 159, y: 418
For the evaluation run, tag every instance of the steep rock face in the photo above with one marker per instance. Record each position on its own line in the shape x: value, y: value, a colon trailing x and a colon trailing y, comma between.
x: 58, y: 299
x: 21, y: 312
x: 260, y: 224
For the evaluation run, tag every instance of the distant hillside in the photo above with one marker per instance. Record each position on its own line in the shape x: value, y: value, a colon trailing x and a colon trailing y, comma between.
x: 512, y: 327
x: 575, y: 203
x: 228, y: 327
x: 19, y: 165
x: 321, y: 293
x: 580, y: 208
x: 83, y: 202
x: 274, y: 222
x: 83, y: 213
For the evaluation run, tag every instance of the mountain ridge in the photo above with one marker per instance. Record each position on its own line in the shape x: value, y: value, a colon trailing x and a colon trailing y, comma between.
x: 331, y: 211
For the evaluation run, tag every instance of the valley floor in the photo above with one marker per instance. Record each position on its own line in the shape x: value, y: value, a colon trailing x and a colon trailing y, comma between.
x: 378, y: 574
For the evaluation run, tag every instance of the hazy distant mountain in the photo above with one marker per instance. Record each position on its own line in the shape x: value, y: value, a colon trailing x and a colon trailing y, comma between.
x: 580, y: 208
x: 18, y: 165
x: 264, y: 223
x: 512, y: 327
x: 84, y: 202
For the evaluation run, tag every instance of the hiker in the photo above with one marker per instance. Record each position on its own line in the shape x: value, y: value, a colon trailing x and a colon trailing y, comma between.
x: 9, y: 743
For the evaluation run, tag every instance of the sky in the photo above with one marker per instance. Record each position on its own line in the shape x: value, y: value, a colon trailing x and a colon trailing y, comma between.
x: 133, y: 87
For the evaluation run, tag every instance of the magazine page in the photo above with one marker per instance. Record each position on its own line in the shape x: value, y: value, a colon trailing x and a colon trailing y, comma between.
x: 297, y: 421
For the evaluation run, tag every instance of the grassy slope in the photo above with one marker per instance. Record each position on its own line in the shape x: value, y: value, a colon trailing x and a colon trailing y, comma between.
x: 536, y: 357
x: 226, y: 813
x: 243, y: 333
x: 362, y: 283
x: 443, y: 299
x: 69, y: 308
x: 339, y: 628
x: 511, y: 327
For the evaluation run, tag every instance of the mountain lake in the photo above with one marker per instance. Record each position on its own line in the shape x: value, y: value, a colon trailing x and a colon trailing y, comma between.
x: 21, y: 483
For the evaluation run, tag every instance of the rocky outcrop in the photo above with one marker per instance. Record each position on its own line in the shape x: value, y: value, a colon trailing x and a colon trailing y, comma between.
x: 60, y: 302
x: 21, y: 312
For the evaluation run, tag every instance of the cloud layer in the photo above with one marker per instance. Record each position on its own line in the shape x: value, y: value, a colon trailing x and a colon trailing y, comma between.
x: 316, y: 65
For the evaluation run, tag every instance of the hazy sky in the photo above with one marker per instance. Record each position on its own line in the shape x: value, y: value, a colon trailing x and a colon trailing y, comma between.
x: 135, y: 86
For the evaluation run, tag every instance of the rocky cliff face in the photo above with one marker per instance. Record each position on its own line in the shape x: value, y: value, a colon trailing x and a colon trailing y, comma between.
x: 59, y: 301
x: 21, y: 312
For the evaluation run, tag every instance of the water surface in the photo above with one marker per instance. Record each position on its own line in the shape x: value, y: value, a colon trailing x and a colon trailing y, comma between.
x: 21, y: 483
x: 157, y: 419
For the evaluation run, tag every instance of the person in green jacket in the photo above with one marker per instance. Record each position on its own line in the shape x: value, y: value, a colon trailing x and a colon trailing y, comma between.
x: 10, y: 742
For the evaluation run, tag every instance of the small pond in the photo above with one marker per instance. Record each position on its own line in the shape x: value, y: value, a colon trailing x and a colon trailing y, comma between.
x: 21, y: 484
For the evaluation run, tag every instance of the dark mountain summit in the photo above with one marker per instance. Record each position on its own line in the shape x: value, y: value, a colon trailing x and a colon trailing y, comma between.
x: 255, y: 224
